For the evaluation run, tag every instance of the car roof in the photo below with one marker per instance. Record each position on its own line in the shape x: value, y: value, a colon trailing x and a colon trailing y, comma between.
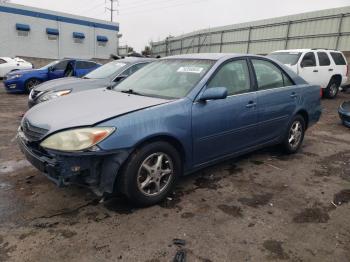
x: 301, y: 50
x: 206, y: 56
x: 135, y: 59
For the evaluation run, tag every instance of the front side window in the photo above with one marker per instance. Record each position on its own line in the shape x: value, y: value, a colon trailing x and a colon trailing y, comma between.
x: 84, y: 65
x: 2, y: 61
x: 269, y: 76
x: 338, y: 58
x: 168, y: 78
x: 234, y: 76
x: 133, y: 69
x: 323, y: 59
x: 61, y: 65
x: 309, y: 60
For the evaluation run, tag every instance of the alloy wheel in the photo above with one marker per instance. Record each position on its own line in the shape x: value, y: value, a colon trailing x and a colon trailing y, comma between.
x: 295, y: 134
x: 155, y: 174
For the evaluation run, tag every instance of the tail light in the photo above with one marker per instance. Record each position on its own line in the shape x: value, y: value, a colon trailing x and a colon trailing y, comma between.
x: 347, y: 70
x: 321, y: 92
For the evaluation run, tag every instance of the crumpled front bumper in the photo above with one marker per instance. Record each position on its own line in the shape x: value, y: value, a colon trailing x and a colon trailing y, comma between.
x: 96, y: 170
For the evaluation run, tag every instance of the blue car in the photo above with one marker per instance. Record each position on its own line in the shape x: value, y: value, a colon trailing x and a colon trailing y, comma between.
x: 344, y: 113
x: 172, y: 117
x: 25, y: 80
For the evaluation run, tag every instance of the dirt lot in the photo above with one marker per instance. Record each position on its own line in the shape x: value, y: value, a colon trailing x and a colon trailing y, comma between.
x: 264, y: 206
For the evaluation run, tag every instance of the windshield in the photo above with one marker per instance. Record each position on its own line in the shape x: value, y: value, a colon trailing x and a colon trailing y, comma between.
x: 106, y: 70
x: 51, y: 64
x: 287, y: 58
x: 172, y: 78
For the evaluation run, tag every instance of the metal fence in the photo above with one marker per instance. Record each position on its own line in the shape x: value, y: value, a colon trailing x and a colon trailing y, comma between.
x: 323, y: 29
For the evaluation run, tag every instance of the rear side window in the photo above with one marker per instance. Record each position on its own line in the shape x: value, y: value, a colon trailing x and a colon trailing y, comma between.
x: 234, y: 76
x: 309, y: 60
x: 269, y: 76
x: 85, y: 64
x: 338, y: 58
x: 323, y: 59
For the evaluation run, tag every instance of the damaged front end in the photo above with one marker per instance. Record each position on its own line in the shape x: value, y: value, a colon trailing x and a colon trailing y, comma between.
x: 95, y: 169
x: 344, y: 113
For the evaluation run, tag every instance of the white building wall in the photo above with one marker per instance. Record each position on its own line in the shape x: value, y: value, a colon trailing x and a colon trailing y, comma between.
x: 37, y: 44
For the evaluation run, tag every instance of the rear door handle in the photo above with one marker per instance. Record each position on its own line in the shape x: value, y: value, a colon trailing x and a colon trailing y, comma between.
x: 331, y: 69
x: 251, y: 104
x: 294, y: 95
x: 315, y: 71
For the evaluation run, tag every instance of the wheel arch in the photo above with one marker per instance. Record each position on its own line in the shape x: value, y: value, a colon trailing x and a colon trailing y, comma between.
x: 305, y: 115
x: 337, y: 78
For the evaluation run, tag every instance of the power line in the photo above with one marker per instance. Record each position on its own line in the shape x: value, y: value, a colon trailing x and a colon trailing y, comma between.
x: 164, y: 7
x: 150, y: 2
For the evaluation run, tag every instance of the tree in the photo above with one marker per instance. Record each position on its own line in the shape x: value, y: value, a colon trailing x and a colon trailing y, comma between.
x: 146, y: 51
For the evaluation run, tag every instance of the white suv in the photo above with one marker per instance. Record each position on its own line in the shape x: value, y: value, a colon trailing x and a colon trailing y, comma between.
x: 323, y: 67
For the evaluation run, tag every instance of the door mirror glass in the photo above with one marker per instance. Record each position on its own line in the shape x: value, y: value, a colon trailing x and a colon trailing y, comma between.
x: 214, y: 93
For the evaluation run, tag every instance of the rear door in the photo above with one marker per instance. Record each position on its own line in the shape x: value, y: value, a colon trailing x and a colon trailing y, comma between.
x: 340, y: 65
x: 277, y: 99
x: 83, y: 67
x: 222, y: 127
x: 308, y: 68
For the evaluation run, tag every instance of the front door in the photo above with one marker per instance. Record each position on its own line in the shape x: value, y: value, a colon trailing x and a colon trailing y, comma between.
x: 308, y: 69
x: 57, y: 71
x: 222, y: 127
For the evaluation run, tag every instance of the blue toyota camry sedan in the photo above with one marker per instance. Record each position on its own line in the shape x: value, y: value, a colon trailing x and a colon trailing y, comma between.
x: 171, y: 118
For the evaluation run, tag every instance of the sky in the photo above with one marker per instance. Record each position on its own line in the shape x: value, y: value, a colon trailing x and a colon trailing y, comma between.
x: 142, y: 21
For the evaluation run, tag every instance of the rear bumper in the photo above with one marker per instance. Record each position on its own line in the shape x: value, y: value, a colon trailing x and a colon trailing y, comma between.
x: 96, y: 171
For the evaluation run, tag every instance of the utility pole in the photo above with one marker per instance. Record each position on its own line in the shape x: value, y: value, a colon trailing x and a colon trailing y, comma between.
x: 111, y: 9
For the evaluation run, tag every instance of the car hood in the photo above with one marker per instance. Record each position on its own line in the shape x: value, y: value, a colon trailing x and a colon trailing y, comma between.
x: 86, y: 109
x: 71, y: 83
x: 27, y: 71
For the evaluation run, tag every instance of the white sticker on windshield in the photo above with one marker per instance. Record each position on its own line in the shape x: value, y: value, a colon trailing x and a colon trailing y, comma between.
x: 190, y: 69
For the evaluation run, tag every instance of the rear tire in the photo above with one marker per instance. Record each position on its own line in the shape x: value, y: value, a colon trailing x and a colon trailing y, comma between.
x: 150, y: 173
x: 294, y: 136
x: 30, y: 84
x: 332, y: 89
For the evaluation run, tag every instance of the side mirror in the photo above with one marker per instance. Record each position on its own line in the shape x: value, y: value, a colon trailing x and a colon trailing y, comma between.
x: 120, y: 78
x: 214, y: 93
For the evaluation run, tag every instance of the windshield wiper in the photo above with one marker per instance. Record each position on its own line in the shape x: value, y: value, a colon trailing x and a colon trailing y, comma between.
x: 130, y: 91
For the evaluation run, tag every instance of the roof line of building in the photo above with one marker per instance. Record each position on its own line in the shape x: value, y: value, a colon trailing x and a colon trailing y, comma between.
x: 65, y: 19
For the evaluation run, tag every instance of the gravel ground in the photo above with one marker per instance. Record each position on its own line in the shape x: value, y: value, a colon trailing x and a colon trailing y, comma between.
x: 263, y: 206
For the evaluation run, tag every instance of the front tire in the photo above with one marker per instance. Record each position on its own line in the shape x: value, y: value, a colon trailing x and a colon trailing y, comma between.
x: 30, y: 84
x: 332, y: 89
x: 295, y: 135
x: 150, y: 173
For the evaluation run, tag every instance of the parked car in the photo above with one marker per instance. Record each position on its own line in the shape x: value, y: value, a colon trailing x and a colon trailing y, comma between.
x: 25, y: 80
x: 172, y: 117
x: 323, y: 67
x: 344, y: 113
x: 107, y: 75
x: 8, y: 64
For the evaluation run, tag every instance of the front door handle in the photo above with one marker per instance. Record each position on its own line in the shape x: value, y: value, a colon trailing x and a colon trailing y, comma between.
x: 331, y: 69
x: 315, y: 71
x: 251, y: 104
x: 294, y: 95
